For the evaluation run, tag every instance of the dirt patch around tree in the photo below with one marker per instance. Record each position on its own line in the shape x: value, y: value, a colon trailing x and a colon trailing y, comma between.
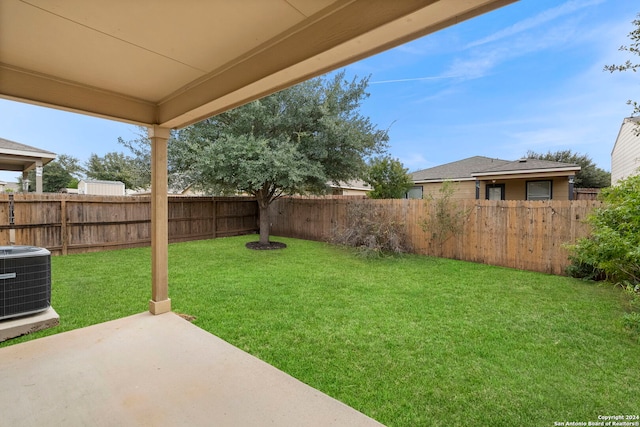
x: 269, y: 246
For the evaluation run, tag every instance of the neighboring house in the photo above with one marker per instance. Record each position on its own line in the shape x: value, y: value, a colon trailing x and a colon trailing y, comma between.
x: 350, y: 188
x: 17, y: 157
x: 11, y: 187
x: 101, y: 188
x: 495, y: 179
x: 625, y: 156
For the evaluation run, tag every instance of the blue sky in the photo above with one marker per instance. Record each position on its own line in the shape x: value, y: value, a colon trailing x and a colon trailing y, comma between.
x: 527, y: 76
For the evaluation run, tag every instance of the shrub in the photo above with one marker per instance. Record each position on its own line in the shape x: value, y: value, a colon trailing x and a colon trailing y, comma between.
x: 612, y: 250
x: 372, y: 230
x: 446, y: 218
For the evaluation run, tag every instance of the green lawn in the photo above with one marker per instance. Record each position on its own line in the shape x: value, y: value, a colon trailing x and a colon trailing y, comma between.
x: 409, y: 341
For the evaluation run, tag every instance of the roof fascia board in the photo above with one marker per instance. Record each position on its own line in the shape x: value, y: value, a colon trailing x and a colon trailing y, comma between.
x: 432, y: 181
x: 32, y: 88
x: 8, y: 154
x: 529, y: 171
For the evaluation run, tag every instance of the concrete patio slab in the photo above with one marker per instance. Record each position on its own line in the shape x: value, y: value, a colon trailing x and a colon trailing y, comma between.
x: 147, y: 370
x: 18, y: 326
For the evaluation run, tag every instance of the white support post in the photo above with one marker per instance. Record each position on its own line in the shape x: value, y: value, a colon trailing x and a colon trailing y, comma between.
x: 38, y: 176
x: 160, y: 302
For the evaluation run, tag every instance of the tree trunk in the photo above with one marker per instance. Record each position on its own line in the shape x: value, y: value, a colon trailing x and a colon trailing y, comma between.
x: 264, y: 223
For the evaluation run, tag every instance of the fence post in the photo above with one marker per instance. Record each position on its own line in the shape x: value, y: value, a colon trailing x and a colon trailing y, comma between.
x: 214, y: 218
x: 63, y: 226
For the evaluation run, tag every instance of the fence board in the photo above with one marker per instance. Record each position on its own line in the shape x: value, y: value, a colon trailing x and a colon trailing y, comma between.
x: 66, y: 223
x: 518, y: 234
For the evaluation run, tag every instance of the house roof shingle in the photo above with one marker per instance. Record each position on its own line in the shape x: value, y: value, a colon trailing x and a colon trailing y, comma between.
x: 6, y: 144
x: 470, y: 167
x: 527, y: 164
x: 461, y: 169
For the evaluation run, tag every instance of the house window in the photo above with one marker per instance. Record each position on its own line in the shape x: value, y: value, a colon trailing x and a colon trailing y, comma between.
x: 495, y: 192
x: 415, y: 193
x: 539, y: 190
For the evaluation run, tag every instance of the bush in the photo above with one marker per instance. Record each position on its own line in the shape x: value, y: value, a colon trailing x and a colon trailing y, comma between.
x: 446, y: 218
x: 372, y: 230
x: 612, y: 250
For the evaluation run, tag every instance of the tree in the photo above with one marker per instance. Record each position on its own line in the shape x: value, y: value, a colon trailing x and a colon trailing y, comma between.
x: 388, y: 178
x: 295, y: 141
x: 589, y: 176
x: 634, y: 49
x: 116, y: 167
x: 140, y: 147
x: 58, y: 174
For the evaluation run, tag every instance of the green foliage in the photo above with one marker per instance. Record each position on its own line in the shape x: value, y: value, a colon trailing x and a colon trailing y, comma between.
x: 634, y: 49
x: 612, y: 250
x: 73, y: 183
x: 372, y: 230
x: 265, y: 168
x: 632, y: 317
x: 116, y: 167
x: 316, y: 122
x: 446, y: 218
x: 589, y: 176
x: 388, y: 178
x: 56, y: 175
x: 140, y: 148
x: 614, y: 244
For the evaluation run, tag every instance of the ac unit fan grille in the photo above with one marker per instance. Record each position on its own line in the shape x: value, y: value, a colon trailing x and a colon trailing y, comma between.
x: 25, y: 285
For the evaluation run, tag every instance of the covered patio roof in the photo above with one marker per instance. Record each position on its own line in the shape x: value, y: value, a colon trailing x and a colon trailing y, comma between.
x: 17, y: 157
x: 183, y: 61
x: 20, y: 157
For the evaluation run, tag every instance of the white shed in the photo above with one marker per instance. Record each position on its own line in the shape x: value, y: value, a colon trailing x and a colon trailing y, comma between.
x: 625, y: 156
x: 101, y: 188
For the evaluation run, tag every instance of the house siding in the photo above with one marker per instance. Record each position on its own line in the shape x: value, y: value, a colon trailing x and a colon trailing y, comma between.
x: 625, y: 157
x: 462, y: 190
x: 349, y: 192
x: 515, y: 189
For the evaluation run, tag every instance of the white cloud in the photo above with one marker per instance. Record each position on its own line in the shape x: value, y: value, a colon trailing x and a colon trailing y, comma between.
x: 536, y: 21
x: 482, y: 60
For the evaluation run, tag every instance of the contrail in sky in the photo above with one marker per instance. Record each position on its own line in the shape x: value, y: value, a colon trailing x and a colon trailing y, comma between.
x: 414, y: 79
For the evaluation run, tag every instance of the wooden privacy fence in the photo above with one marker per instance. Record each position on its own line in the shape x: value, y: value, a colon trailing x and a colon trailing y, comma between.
x: 518, y: 234
x: 72, y: 223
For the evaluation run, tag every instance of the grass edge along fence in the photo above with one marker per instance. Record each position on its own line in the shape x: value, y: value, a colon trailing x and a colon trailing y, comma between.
x: 527, y: 235
x: 70, y: 223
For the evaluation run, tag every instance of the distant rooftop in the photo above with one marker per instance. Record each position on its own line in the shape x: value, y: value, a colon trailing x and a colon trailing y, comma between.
x: 469, y: 168
x: 6, y: 144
